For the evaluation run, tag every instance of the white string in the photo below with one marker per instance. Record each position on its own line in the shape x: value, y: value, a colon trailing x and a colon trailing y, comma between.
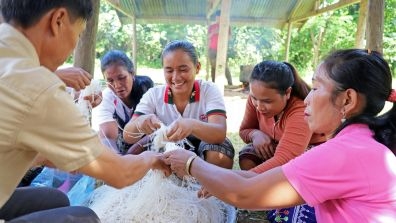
x: 156, y: 198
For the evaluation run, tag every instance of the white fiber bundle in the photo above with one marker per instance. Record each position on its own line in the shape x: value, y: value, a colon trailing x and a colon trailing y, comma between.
x: 156, y: 198
x: 83, y: 105
x: 160, y: 139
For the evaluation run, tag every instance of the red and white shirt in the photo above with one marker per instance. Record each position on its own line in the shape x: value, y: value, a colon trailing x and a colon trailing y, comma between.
x: 205, y: 100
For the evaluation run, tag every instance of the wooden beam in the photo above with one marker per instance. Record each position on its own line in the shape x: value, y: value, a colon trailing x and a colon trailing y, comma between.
x: 293, y: 12
x: 222, y: 46
x: 288, y: 39
x: 361, y: 26
x: 84, y: 53
x: 208, y: 65
x: 202, y: 21
x: 375, y: 25
x: 335, y: 6
x: 213, y: 4
x: 134, y: 44
x: 116, y: 5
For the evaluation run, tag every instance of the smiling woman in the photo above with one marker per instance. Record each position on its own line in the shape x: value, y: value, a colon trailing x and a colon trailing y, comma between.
x: 192, y: 109
x: 348, y: 178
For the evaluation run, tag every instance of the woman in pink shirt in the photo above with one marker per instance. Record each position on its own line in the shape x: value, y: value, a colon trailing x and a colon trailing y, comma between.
x: 349, y: 178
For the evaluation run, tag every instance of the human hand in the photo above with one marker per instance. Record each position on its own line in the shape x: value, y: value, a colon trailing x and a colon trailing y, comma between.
x: 263, y: 145
x: 147, y: 124
x: 74, y: 77
x: 42, y: 161
x: 179, y: 129
x: 158, y: 162
x: 177, y: 160
x: 203, y: 193
x: 94, y: 99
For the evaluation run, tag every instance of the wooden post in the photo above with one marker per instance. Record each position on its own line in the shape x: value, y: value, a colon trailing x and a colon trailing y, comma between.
x: 134, y: 44
x: 208, y: 65
x: 222, y: 46
x: 375, y: 25
x: 288, y: 39
x: 84, y: 54
x: 361, y: 26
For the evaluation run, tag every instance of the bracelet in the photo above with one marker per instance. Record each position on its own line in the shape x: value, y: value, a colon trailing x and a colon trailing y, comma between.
x: 188, y: 163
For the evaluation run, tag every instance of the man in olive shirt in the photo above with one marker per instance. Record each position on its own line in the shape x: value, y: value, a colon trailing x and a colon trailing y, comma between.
x: 38, y: 119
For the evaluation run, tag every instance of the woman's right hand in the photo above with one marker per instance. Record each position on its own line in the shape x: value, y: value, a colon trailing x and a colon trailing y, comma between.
x: 263, y: 145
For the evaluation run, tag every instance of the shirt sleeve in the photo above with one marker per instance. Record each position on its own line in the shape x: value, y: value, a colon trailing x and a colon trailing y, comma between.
x: 214, y: 100
x: 249, y: 121
x: 57, y: 129
x: 147, y: 103
x: 293, y: 142
x: 105, y: 110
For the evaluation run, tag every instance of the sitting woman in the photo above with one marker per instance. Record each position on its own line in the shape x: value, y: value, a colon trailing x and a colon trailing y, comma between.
x: 273, y: 125
x: 192, y: 109
x: 274, y: 118
x: 124, y: 91
x: 349, y: 178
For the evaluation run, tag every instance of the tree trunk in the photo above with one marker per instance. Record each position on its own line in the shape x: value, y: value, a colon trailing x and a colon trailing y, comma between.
x: 375, y: 25
x: 361, y: 26
x: 84, y: 54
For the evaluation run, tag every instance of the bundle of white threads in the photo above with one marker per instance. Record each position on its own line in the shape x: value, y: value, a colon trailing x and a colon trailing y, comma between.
x: 156, y: 198
x: 83, y: 105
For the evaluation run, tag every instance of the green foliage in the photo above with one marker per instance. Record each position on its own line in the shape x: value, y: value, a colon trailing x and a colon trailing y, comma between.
x: 248, y: 45
x: 390, y: 33
x: 336, y: 29
x: 111, y: 33
x: 254, y: 44
x: 152, y: 38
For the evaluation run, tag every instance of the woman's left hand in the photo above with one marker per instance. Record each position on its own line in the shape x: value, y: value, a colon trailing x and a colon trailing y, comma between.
x: 179, y: 129
x: 177, y: 160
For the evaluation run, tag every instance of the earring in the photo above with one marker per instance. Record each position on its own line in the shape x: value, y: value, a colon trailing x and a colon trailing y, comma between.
x: 343, y: 115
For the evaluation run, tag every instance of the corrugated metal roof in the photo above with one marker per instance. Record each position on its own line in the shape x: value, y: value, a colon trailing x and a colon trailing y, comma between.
x: 270, y: 13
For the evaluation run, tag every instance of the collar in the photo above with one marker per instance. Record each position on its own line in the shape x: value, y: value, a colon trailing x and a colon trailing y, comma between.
x: 194, y: 96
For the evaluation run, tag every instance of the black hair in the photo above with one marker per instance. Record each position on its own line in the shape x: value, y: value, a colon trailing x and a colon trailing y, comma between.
x: 28, y: 12
x: 140, y: 84
x: 183, y: 45
x: 280, y: 76
x: 369, y: 75
x: 116, y: 57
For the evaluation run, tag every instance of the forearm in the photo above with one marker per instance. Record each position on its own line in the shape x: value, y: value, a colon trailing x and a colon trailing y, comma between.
x: 246, y: 134
x: 111, y: 143
x: 256, y: 192
x: 131, y: 132
x: 282, y: 156
x: 108, y: 133
x: 213, y: 133
x: 250, y: 122
x: 119, y: 171
x: 245, y: 174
